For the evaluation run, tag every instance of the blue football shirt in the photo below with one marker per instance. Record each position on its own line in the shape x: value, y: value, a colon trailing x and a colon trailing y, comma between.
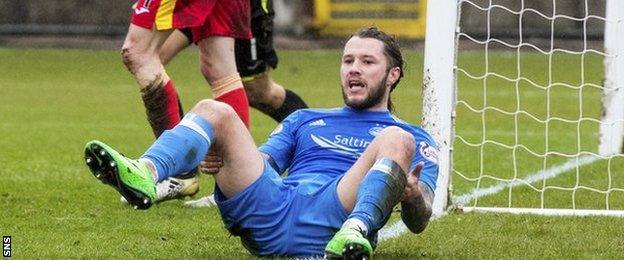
x: 318, y: 145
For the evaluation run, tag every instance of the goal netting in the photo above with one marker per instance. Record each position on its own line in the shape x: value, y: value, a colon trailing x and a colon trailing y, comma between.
x: 526, y: 100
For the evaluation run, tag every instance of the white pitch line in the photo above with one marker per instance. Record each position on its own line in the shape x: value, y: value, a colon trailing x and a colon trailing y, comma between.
x: 391, y: 231
x: 538, y: 176
x: 398, y: 228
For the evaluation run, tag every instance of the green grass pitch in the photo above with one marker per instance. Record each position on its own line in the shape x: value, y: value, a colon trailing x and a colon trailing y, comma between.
x: 53, y: 101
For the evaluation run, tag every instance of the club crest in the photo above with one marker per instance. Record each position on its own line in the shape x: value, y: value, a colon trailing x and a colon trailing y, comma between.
x: 428, y: 152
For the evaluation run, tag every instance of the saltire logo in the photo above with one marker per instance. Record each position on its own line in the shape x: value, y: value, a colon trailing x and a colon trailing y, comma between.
x: 325, y: 143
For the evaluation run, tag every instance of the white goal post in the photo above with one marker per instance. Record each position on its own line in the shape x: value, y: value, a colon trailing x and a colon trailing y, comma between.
x: 526, y: 188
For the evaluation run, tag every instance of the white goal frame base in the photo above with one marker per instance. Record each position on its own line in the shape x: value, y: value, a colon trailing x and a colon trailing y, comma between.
x: 547, y: 212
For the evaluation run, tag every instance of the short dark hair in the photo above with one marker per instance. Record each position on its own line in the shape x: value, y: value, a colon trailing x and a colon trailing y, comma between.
x: 392, y: 51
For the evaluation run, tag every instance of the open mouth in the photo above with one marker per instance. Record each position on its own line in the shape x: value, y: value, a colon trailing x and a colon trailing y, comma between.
x: 356, y: 84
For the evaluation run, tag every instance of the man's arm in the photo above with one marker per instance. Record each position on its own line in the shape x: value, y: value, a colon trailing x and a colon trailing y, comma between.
x: 416, y: 211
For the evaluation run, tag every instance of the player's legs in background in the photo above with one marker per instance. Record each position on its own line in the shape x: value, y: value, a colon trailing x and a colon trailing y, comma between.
x: 219, y: 68
x: 371, y: 188
x: 175, y: 43
x: 214, y: 66
x: 229, y: 20
x: 151, y: 23
x: 271, y: 98
x: 140, y: 54
x: 256, y: 59
x: 262, y: 91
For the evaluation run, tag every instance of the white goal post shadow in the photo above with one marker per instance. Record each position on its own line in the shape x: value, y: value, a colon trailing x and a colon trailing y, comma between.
x: 439, y: 99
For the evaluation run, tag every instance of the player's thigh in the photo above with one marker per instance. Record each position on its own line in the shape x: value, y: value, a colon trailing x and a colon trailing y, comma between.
x: 242, y: 162
x: 140, y: 40
x: 217, y: 57
x: 176, y: 42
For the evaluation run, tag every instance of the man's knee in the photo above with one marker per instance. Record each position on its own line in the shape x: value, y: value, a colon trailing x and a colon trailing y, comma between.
x: 145, y: 67
x: 208, y: 68
x: 128, y: 57
x: 214, y: 111
x: 130, y: 52
x: 399, y: 140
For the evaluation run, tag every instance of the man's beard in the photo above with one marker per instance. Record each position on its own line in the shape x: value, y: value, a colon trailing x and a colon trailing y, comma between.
x: 374, y: 98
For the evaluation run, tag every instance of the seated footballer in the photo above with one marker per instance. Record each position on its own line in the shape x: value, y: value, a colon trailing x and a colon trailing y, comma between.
x: 347, y: 167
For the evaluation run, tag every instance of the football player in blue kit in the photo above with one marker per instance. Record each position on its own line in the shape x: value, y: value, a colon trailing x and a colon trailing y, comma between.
x: 347, y: 167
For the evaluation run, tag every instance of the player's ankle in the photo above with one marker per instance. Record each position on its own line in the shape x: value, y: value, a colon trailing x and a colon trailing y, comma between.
x: 356, y: 224
x: 151, y: 167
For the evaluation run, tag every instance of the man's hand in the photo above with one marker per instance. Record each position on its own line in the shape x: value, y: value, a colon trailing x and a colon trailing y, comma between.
x: 416, y: 201
x: 211, y: 164
x: 411, y: 187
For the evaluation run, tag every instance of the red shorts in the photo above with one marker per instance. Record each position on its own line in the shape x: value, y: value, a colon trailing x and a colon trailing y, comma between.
x: 168, y: 14
x: 229, y: 18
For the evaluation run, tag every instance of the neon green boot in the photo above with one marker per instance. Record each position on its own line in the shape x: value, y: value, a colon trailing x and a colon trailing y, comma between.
x: 129, y: 177
x: 348, y: 243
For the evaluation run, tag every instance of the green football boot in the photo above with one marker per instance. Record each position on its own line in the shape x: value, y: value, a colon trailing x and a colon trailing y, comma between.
x: 129, y: 177
x: 172, y: 188
x: 348, y: 243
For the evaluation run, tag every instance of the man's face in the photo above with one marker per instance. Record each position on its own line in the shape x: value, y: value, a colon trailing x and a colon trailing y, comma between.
x: 364, y: 74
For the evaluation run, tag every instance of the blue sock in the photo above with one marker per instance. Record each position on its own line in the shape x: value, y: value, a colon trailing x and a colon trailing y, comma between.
x: 181, y: 148
x: 379, y: 191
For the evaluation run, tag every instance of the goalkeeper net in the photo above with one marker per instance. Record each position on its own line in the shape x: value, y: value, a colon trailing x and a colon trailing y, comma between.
x: 534, y: 119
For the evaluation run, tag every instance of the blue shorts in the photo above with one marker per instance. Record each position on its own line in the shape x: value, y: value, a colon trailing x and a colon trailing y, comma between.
x: 275, y: 217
